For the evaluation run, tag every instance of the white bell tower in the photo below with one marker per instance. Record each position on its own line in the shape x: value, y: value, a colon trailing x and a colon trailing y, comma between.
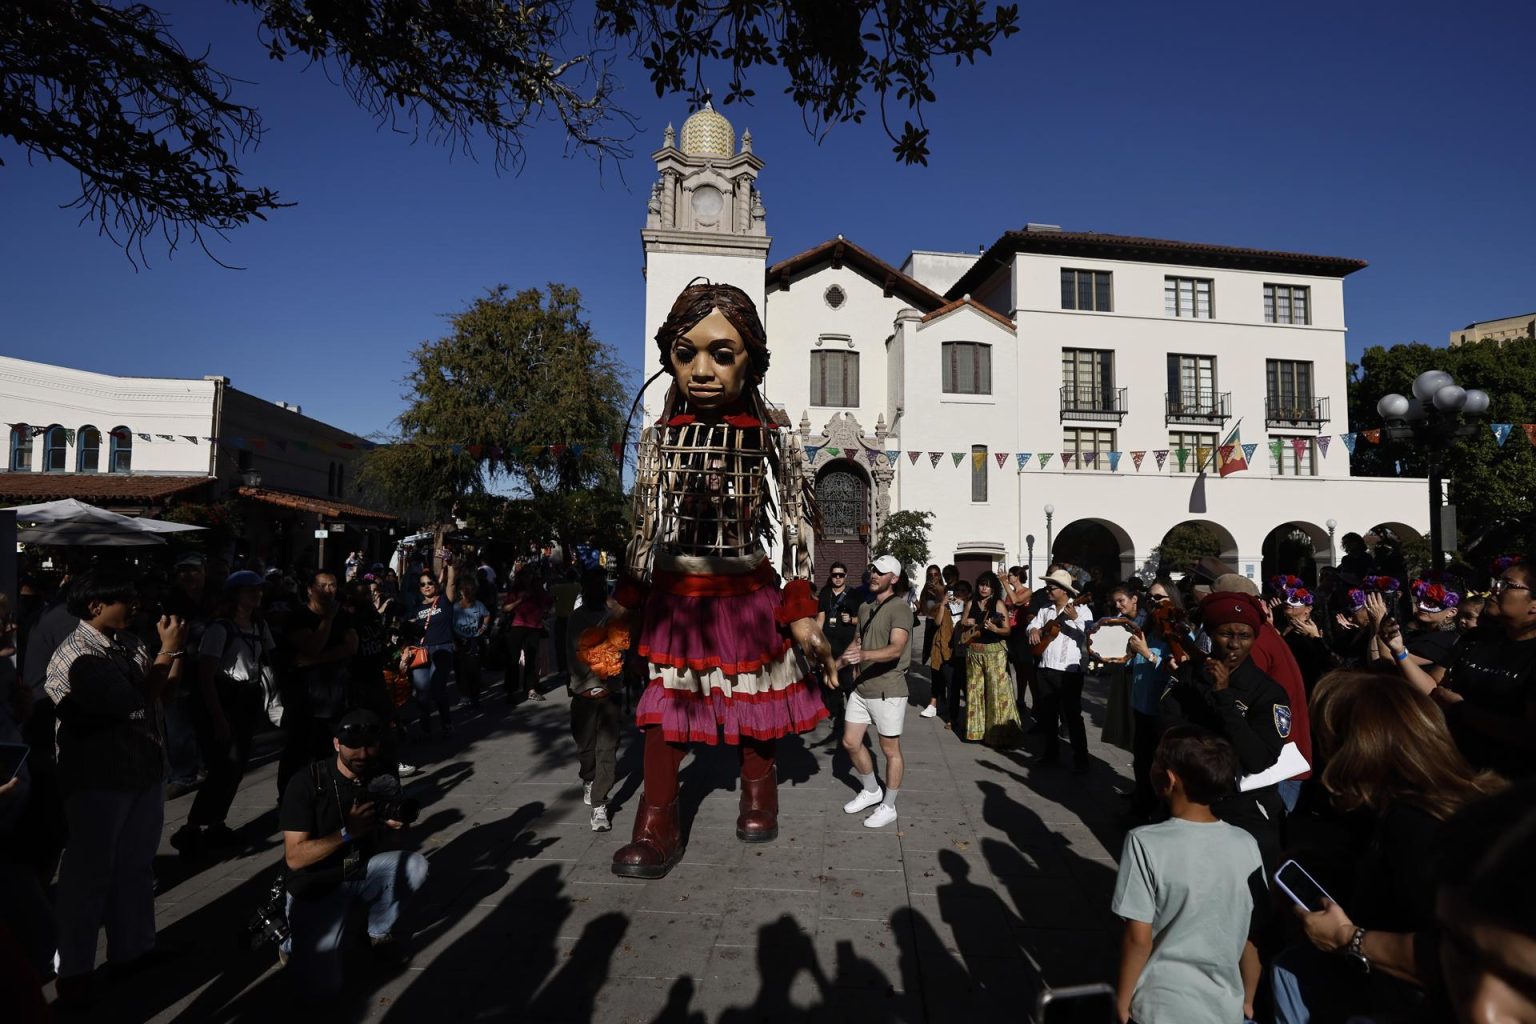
x: 704, y: 219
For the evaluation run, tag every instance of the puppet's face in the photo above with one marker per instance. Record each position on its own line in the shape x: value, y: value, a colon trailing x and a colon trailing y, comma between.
x: 711, y: 364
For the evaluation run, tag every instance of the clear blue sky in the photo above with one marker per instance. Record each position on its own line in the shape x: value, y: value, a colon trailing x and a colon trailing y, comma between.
x: 1400, y: 133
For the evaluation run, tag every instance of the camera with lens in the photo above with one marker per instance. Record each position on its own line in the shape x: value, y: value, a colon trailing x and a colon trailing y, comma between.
x: 270, y: 921
x: 390, y: 803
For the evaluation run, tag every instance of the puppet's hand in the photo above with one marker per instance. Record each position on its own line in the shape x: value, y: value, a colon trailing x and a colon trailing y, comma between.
x: 813, y: 644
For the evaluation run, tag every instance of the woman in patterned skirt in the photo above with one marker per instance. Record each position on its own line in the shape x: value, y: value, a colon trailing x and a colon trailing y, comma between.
x: 991, y: 715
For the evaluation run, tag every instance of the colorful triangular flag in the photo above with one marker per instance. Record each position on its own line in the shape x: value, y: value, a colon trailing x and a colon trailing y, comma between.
x: 1501, y: 432
x: 933, y: 458
x: 1091, y: 458
x: 1023, y: 458
x: 957, y: 456
x: 1044, y: 458
x: 913, y: 456
x: 1274, y: 450
x: 1136, y: 457
x: 1298, y: 445
x: 1002, y: 459
x: 1373, y: 436
x: 1248, y: 450
x: 811, y: 451
x: 1161, y: 454
x: 870, y: 456
x: 1350, y: 441
x: 1322, y: 444
x: 892, y: 456
x: 1530, y: 432
x: 1182, y: 454
x: 1114, y: 462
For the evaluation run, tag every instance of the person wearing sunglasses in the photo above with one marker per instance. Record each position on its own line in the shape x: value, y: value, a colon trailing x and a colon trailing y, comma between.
x: 838, y: 618
x: 1489, y: 690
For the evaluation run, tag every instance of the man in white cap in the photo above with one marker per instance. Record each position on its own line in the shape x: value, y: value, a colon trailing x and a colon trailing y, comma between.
x: 1059, y: 683
x: 882, y: 653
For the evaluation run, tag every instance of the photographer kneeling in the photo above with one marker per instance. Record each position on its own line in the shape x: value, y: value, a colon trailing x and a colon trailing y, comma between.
x: 330, y: 818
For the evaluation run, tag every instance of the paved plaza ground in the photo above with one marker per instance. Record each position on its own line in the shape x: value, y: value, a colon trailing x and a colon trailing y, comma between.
x: 996, y: 880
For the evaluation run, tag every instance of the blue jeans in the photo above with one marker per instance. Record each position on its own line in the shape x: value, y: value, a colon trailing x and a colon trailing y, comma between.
x: 1290, y: 792
x: 430, y: 682
x: 317, y: 926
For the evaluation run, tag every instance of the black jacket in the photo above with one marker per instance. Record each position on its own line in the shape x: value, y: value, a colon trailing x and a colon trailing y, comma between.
x: 1254, y: 715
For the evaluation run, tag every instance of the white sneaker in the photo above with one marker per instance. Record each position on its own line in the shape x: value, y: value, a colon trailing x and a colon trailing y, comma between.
x: 600, y: 822
x: 866, y: 798
x: 930, y: 711
x: 407, y: 770
x: 586, y: 793
x: 881, y: 817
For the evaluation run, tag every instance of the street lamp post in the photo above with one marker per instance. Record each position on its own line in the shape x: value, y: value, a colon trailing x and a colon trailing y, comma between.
x: 1333, y: 552
x: 1439, y: 414
x: 1050, y: 548
x: 1029, y: 544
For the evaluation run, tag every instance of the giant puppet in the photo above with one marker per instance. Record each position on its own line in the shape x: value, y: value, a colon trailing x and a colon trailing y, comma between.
x: 725, y: 649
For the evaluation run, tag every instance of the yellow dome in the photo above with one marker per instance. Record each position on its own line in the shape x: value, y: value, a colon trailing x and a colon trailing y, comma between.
x: 708, y: 133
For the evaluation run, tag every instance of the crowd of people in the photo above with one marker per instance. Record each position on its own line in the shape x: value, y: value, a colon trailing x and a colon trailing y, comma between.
x: 125, y: 684
x: 1360, y: 733
x: 1328, y: 818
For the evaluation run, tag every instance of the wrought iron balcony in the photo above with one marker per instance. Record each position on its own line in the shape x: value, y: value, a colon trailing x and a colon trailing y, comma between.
x: 1198, y: 406
x: 1295, y: 411
x: 1095, y: 405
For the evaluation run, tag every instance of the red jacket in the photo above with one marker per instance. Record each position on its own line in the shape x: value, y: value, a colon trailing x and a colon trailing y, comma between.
x: 1273, y: 655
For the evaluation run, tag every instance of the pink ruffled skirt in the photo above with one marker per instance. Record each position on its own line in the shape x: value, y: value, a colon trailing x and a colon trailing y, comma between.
x: 721, y: 663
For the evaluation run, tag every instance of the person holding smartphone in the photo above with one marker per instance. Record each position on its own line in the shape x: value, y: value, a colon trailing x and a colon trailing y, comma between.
x: 1388, y: 756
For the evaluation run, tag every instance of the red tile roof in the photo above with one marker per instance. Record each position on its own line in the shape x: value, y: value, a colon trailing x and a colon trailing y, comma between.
x: 95, y: 488
x: 1096, y: 245
x: 950, y: 307
x: 320, y: 506
x: 838, y: 251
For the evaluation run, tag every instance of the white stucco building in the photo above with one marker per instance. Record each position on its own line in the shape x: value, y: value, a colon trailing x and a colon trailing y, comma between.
x: 925, y: 386
x: 141, y: 445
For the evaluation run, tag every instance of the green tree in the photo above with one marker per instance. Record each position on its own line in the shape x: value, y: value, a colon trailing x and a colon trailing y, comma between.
x: 1185, y: 545
x: 905, y: 535
x: 157, y: 133
x: 523, y: 376
x: 1493, y: 487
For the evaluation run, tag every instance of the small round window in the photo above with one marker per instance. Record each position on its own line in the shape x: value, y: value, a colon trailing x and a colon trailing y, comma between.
x: 835, y: 297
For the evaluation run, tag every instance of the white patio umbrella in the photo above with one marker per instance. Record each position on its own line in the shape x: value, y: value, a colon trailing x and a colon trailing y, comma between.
x: 72, y: 522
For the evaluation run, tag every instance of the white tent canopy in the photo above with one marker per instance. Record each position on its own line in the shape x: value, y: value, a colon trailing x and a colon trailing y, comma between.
x: 72, y: 522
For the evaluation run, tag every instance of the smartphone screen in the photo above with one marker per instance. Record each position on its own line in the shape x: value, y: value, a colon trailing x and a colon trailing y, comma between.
x: 1301, y: 887
x: 11, y: 757
x: 1079, y: 1004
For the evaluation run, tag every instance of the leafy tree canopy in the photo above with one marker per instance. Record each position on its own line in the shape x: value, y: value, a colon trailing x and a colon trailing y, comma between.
x: 156, y: 132
x: 1493, y: 487
x: 905, y: 535
x: 1185, y: 545
x: 520, y: 373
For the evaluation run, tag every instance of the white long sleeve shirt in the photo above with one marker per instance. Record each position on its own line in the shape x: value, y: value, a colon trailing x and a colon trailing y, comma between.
x: 1065, y: 653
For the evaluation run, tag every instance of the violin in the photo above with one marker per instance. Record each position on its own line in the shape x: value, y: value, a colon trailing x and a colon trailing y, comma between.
x: 1173, y: 625
x: 1051, y: 630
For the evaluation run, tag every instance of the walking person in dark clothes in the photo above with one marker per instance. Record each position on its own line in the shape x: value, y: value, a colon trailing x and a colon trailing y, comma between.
x: 320, y: 644
x: 233, y: 663
x: 838, y: 617
x: 595, y: 712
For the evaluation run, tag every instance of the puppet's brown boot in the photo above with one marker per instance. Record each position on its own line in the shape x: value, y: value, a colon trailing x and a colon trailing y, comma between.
x: 654, y: 846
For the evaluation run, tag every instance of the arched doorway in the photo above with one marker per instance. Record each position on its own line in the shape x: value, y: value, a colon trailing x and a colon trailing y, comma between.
x: 1295, y: 549
x: 1399, y: 550
x: 1192, y: 540
x: 1101, y: 548
x: 842, y: 498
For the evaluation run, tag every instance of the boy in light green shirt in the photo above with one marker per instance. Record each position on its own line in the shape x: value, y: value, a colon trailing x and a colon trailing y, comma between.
x: 1189, y: 889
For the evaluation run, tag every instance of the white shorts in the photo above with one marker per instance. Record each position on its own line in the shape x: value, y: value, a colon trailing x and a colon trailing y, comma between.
x: 886, y: 714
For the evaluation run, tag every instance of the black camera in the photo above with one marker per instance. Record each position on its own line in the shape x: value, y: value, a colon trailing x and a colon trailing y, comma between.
x: 270, y: 921
x: 389, y: 803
